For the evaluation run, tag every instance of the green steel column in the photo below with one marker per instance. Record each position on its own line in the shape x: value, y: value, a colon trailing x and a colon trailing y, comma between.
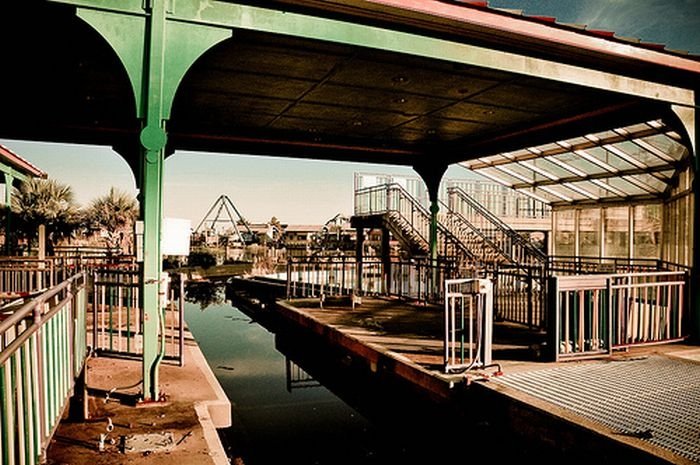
x: 434, y: 210
x: 432, y: 175
x: 156, y: 53
x: 153, y: 139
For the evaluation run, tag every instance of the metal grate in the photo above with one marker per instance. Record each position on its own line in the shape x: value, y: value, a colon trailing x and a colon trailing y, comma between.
x: 656, y: 399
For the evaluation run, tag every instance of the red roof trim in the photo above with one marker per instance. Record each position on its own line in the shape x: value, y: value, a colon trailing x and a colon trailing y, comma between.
x: 593, y: 40
x: 20, y: 164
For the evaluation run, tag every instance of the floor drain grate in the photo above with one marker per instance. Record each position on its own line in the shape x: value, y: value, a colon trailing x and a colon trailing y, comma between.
x: 656, y: 399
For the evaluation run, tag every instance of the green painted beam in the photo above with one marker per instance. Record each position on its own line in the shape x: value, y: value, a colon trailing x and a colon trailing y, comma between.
x: 230, y: 15
x: 8, y: 170
x: 156, y: 54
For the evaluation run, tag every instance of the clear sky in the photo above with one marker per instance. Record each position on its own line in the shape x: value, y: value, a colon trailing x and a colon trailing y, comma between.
x: 311, y: 192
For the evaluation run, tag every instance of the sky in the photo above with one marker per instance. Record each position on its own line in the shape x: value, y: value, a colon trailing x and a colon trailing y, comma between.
x: 311, y: 192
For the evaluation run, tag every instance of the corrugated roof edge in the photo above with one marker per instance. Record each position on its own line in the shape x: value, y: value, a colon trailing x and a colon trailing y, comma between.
x: 580, y: 28
x: 20, y: 164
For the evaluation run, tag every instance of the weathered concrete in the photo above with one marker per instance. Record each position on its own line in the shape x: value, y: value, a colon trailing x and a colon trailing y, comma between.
x: 403, y: 340
x: 194, y: 407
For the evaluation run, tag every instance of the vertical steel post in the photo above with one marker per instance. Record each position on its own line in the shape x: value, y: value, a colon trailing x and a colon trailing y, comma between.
x: 153, y: 140
x: 9, y: 179
x: 552, y: 305
x: 689, y: 118
x: 359, y: 249
x: 432, y: 175
x: 386, y: 262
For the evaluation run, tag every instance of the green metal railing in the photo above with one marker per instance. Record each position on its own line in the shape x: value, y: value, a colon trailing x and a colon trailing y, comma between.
x: 44, y: 347
x: 116, y: 316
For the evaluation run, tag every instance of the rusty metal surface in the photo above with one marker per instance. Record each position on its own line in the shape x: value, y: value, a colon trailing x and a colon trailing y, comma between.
x: 655, y: 398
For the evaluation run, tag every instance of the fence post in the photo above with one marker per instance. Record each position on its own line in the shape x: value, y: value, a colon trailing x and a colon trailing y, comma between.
x: 529, y: 297
x: 611, y: 314
x: 552, y: 301
x: 181, y: 305
x: 289, y: 277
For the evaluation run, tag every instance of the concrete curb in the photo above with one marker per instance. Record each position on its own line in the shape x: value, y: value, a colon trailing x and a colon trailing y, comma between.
x: 216, y: 449
x: 220, y: 408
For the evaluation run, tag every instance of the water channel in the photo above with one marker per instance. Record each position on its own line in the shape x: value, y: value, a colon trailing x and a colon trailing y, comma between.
x: 283, y: 415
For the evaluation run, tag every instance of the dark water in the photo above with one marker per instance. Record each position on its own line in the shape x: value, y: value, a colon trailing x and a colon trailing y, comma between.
x: 307, y: 425
x: 356, y: 417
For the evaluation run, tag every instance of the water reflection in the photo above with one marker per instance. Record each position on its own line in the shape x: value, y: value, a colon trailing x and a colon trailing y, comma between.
x: 204, y: 293
x: 262, y: 366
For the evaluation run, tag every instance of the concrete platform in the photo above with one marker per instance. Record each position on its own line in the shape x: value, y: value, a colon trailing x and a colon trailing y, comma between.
x: 194, y: 407
x: 406, y: 340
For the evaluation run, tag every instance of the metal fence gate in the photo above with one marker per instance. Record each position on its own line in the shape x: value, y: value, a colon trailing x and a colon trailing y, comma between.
x: 468, y: 324
x: 116, y: 316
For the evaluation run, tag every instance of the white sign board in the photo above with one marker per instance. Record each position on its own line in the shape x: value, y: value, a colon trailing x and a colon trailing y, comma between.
x: 175, y: 236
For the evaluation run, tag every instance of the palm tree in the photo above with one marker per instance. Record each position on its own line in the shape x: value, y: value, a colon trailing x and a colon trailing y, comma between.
x: 114, y: 213
x: 45, y: 202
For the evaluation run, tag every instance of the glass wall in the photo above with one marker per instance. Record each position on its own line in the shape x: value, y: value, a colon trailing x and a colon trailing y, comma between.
x: 589, y: 232
x: 616, y: 228
x: 564, y: 233
x: 650, y: 224
x: 678, y: 222
x: 647, y: 231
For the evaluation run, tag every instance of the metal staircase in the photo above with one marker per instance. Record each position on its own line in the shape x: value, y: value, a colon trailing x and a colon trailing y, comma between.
x: 512, y: 246
x: 467, y: 231
x: 409, y: 221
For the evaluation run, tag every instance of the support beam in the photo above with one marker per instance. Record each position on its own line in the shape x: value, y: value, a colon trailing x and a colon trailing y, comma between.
x: 691, y: 123
x: 359, y: 253
x: 386, y: 261
x: 432, y: 175
x: 156, y: 52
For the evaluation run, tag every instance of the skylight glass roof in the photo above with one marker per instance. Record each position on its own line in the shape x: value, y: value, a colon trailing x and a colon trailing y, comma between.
x: 630, y: 163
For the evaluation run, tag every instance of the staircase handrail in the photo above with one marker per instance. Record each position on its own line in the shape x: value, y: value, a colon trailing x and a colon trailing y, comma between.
x: 416, y: 206
x: 460, y: 218
x: 500, y: 224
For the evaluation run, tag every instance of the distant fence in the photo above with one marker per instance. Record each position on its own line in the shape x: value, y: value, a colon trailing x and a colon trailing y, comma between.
x: 44, y: 347
x: 520, y: 295
x: 337, y: 276
x: 594, y: 314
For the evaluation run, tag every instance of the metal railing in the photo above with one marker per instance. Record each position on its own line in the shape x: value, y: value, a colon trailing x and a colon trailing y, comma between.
x: 410, y: 219
x: 468, y: 324
x: 116, y: 316
x: 337, y: 276
x: 567, y: 265
x: 23, y: 276
x: 511, y: 245
x: 43, y: 351
x: 521, y: 290
x: 594, y: 314
x: 520, y: 294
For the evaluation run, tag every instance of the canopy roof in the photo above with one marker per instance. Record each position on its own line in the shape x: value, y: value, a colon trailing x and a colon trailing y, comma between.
x: 409, y: 82
x: 632, y: 163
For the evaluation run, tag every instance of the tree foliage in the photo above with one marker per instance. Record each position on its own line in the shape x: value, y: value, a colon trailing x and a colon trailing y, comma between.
x: 47, y: 202
x: 113, y: 213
